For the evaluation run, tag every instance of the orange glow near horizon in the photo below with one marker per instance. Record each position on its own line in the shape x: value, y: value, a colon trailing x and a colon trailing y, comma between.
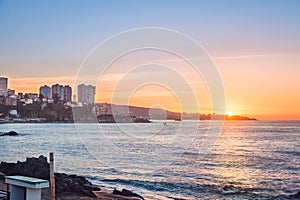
x: 266, y: 87
x: 261, y: 108
x: 144, y: 98
x: 255, y: 86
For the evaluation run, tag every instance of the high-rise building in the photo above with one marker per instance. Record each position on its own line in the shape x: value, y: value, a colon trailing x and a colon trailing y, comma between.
x: 58, y: 90
x: 67, y: 93
x: 64, y: 93
x: 86, y: 94
x: 45, y: 91
x: 3, y: 86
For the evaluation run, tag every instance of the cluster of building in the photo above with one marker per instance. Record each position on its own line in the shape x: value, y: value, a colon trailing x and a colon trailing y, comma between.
x: 55, y: 93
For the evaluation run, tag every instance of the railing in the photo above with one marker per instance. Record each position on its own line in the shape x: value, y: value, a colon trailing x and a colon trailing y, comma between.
x: 4, y: 195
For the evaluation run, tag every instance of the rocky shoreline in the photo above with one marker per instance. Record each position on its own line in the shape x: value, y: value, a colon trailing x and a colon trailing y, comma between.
x: 66, y: 186
x: 74, y: 187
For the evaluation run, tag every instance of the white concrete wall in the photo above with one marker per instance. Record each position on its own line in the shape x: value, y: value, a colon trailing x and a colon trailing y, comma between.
x: 33, y: 194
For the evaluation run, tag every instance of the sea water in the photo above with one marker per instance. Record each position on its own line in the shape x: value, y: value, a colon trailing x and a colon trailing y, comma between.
x: 168, y: 160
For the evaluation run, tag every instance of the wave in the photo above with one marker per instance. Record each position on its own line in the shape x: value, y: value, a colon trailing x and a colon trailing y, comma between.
x: 187, y: 188
x: 293, y: 153
x: 190, y: 190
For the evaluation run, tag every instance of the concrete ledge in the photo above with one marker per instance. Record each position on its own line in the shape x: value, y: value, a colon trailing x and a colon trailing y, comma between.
x: 27, y: 182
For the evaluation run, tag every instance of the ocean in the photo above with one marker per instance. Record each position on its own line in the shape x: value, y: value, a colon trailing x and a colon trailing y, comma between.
x: 171, y: 159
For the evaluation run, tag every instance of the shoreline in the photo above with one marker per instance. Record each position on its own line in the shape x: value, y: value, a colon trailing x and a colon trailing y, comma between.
x: 67, y: 186
x: 124, y: 122
x: 74, y: 187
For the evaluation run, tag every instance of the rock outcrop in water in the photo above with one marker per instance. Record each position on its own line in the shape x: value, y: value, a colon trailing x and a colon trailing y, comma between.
x: 126, y: 193
x: 231, y: 189
x: 10, y: 133
x: 40, y: 168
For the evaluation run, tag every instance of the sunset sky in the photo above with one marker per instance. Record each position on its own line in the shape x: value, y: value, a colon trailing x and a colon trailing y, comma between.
x: 254, y: 44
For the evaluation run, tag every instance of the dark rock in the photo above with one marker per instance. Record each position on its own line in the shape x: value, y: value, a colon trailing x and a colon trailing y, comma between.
x: 32, y: 167
x: 40, y: 168
x: 231, y: 189
x: 10, y: 133
x: 75, y: 184
x: 127, y: 193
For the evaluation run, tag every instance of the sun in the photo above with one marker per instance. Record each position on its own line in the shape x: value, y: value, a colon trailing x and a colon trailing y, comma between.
x: 229, y: 114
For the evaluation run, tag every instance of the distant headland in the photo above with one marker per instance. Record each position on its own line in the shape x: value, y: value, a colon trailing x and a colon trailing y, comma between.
x: 41, y: 112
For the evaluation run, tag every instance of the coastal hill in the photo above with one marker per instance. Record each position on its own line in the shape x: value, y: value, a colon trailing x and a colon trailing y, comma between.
x: 161, y: 114
x: 59, y: 112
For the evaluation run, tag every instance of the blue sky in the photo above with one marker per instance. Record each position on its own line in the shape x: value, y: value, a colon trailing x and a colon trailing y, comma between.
x: 61, y: 33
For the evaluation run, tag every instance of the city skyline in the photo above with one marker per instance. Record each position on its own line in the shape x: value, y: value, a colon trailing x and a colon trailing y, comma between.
x: 254, y: 45
x: 85, y: 93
